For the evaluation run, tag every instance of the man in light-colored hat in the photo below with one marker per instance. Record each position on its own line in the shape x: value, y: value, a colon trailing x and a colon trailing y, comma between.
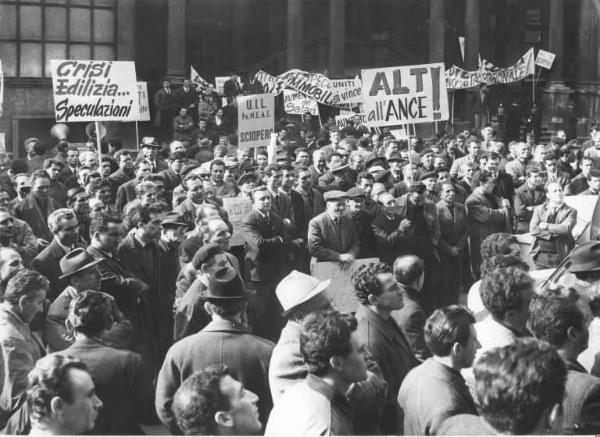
x: 332, y: 235
x: 81, y: 270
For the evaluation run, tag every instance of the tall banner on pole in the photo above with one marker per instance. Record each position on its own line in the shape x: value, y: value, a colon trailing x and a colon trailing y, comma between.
x: 94, y: 90
x: 404, y: 95
x: 256, y: 120
x: 142, y: 88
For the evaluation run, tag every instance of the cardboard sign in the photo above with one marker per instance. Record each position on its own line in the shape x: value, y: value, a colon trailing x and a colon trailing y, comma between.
x: 256, y: 120
x: 94, y: 90
x: 340, y: 291
x: 237, y: 208
x: 295, y: 102
x: 342, y: 120
x: 142, y: 88
x: 408, y: 94
x: 545, y: 59
x: 585, y: 206
x: 349, y: 90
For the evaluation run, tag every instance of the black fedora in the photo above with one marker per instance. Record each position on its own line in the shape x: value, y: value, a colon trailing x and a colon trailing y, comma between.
x: 76, y: 261
x: 227, y: 286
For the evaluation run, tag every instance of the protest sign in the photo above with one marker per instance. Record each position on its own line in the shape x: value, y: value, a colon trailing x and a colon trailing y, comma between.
x: 202, y: 85
x: 256, y: 120
x: 313, y: 85
x: 340, y: 291
x: 341, y: 121
x: 2, y: 141
x: 585, y: 206
x: 220, y: 83
x: 545, y: 59
x: 142, y: 88
x: 294, y: 102
x: 488, y: 73
x: 94, y: 90
x: 237, y: 208
x: 405, y: 95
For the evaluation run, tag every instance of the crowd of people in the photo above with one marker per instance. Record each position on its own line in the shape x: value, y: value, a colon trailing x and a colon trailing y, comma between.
x: 125, y: 305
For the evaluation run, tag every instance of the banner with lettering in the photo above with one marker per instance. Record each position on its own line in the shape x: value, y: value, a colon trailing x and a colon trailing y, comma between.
x: 201, y: 84
x: 94, y: 90
x: 294, y: 102
x: 343, y: 120
x: 256, y: 120
x: 314, y: 85
x: 490, y: 74
x: 143, y: 101
x: 237, y: 208
x: 404, y: 95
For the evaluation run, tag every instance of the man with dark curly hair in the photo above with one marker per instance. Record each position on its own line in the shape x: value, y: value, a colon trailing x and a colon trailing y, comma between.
x: 520, y: 388
x: 61, y: 397
x: 212, y: 402
x: 506, y: 293
x: 335, y: 359
x: 379, y: 293
x: 561, y: 321
x: 19, y: 350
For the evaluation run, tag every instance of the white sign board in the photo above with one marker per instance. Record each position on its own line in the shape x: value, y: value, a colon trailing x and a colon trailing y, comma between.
x: 2, y: 141
x: 545, y: 59
x: 295, y: 102
x: 342, y: 121
x: 94, y: 90
x: 142, y: 88
x: 585, y: 210
x: 341, y: 291
x: 405, y: 95
x: 349, y: 90
x: 237, y: 208
x: 220, y: 83
x: 256, y: 120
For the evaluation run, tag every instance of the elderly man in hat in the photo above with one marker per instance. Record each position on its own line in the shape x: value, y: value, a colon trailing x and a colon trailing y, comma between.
x: 149, y: 151
x: 362, y: 219
x: 339, y: 176
x: 81, y: 270
x: 223, y: 341
x: 300, y: 295
x: 332, y: 234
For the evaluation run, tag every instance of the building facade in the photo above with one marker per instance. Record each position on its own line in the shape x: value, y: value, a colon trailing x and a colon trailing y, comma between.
x: 335, y: 37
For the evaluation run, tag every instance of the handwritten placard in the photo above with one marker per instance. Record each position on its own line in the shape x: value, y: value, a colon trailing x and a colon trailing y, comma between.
x: 340, y: 291
x: 237, y: 208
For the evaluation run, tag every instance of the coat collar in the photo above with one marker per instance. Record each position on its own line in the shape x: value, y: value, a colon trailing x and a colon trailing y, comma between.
x: 388, y: 328
x: 223, y: 325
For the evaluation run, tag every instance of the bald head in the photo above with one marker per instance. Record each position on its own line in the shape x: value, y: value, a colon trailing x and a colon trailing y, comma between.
x: 409, y: 270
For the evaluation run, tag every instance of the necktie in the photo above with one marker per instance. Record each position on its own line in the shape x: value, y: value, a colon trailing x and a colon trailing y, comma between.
x: 277, y: 202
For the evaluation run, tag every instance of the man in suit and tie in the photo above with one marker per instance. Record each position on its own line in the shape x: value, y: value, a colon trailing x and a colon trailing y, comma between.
x: 38, y: 205
x: 63, y: 225
x: 165, y: 102
x: 126, y: 192
x: 187, y: 97
x: 265, y: 263
x: 435, y: 390
x: 454, y: 230
x: 332, y: 235
x: 391, y: 230
x: 232, y: 88
x: 150, y: 150
x: 379, y: 294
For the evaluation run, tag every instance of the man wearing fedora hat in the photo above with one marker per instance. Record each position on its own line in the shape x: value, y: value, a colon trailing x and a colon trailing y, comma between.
x: 225, y: 340
x: 300, y: 295
x: 81, y: 270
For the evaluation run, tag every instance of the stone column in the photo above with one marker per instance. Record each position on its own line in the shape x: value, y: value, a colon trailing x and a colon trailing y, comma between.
x: 437, y: 31
x: 176, y: 46
x: 275, y: 35
x: 240, y: 18
x: 587, y: 66
x: 337, y: 32
x: 295, y: 33
x: 126, y: 30
x: 555, y: 97
x: 472, y: 34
